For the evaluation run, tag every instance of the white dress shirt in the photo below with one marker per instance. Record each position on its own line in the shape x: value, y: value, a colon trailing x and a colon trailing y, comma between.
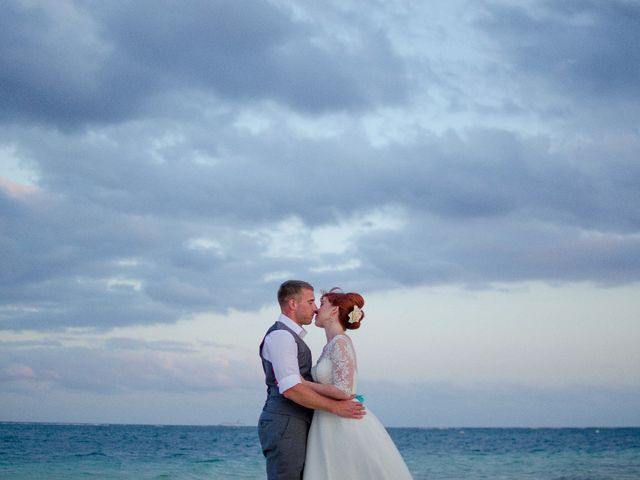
x: 281, y: 350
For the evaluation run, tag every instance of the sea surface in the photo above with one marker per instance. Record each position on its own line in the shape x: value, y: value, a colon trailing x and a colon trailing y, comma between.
x: 61, y: 451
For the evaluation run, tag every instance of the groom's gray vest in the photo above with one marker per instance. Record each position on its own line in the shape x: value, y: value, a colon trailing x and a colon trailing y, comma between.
x: 276, y: 402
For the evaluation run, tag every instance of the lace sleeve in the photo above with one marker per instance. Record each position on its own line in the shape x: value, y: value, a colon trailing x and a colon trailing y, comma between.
x: 343, y: 364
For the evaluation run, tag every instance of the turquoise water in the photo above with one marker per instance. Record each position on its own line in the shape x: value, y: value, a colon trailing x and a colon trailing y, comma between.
x: 39, y: 451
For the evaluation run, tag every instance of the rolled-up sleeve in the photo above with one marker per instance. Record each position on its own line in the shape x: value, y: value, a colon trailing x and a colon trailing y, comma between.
x: 281, y: 350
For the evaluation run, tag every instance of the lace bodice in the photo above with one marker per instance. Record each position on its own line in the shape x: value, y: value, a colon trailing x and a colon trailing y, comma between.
x: 337, y: 365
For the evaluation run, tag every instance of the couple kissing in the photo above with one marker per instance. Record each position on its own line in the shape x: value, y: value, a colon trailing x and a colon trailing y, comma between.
x: 312, y: 425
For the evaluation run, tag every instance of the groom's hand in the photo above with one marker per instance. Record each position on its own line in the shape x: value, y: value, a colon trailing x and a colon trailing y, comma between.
x: 305, y: 396
x: 350, y: 409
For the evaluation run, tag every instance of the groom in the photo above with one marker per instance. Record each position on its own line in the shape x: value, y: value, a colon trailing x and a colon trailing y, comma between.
x: 288, y: 410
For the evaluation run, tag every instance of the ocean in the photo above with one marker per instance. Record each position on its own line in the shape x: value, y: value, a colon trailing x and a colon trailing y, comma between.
x: 61, y: 451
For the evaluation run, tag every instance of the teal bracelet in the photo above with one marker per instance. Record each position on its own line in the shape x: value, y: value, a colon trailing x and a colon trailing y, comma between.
x: 359, y: 398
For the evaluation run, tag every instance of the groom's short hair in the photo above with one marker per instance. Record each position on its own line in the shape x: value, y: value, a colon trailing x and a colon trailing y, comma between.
x: 291, y: 288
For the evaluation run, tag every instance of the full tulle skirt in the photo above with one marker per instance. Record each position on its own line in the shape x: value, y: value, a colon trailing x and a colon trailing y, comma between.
x: 340, y: 448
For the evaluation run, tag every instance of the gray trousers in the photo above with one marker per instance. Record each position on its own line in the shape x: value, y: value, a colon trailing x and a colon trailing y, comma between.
x: 284, y: 444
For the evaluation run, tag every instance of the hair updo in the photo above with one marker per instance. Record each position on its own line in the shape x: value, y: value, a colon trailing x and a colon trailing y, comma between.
x: 345, y: 303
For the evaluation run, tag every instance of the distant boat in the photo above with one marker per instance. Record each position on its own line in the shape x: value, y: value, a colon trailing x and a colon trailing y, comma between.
x: 237, y: 423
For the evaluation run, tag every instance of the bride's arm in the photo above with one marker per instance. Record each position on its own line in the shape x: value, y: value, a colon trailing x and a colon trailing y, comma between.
x: 343, y: 370
x: 326, y: 390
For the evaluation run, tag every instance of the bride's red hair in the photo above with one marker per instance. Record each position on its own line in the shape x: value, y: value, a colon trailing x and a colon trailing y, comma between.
x: 345, y: 303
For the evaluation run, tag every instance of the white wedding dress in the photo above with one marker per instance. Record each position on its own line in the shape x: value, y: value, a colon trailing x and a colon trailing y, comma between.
x: 340, y: 448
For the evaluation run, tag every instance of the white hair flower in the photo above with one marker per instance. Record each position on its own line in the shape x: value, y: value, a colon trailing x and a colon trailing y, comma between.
x: 355, y: 315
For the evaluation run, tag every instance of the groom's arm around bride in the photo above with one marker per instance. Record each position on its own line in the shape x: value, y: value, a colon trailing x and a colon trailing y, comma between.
x: 307, y: 397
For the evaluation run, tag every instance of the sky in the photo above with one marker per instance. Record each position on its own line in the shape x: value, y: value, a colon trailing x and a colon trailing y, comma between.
x: 470, y: 168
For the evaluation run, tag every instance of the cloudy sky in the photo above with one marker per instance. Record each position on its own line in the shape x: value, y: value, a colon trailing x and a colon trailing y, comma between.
x: 470, y: 167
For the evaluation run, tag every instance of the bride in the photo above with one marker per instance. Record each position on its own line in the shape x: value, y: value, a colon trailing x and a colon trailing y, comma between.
x: 339, y: 448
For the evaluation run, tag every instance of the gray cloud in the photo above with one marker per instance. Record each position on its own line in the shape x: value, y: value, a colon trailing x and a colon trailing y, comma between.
x: 112, y: 247
x: 80, y: 63
x: 583, y: 48
x: 123, y: 365
x: 207, y: 127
